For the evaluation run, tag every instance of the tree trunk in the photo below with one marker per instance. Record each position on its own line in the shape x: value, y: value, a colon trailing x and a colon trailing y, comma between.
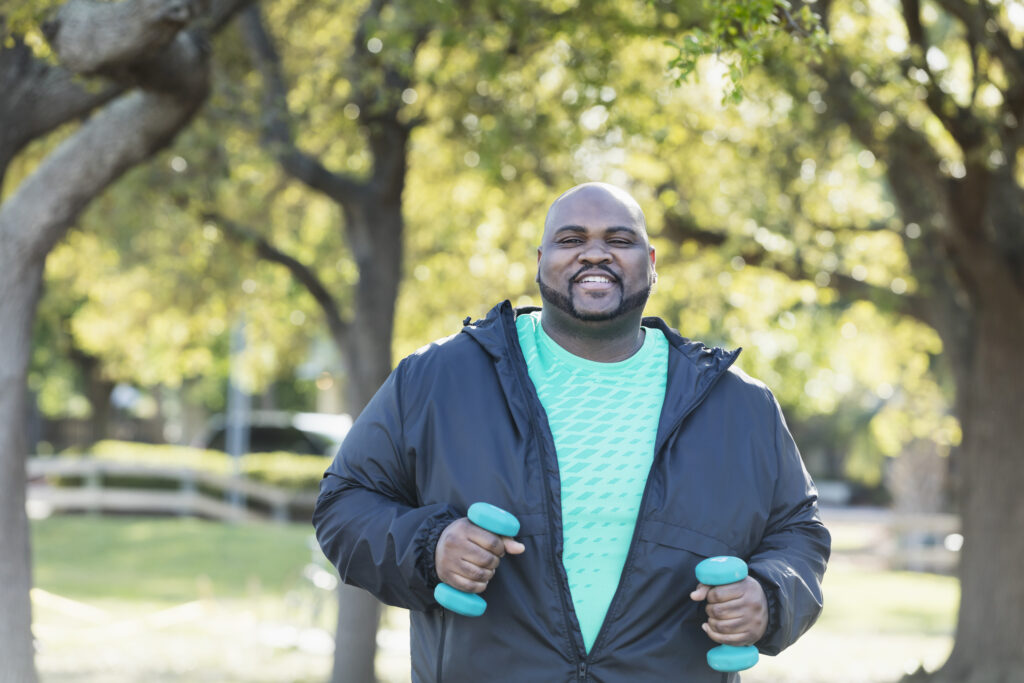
x: 32, y: 221
x: 991, y: 620
x: 376, y: 231
x: 376, y: 238
x: 20, y: 285
x: 171, y: 68
x: 355, y: 641
x: 373, y: 229
x: 969, y: 266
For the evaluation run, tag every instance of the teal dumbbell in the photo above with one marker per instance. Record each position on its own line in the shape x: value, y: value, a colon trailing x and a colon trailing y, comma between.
x: 719, y: 571
x: 495, y: 520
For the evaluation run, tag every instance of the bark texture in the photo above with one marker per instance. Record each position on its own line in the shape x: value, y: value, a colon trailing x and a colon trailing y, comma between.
x: 19, y: 285
x: 969, y: 263
x: 159, y: 75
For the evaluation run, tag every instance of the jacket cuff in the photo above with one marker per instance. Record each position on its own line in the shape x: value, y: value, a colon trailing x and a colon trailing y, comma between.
x: 432, y: 534
x: 771, y: 594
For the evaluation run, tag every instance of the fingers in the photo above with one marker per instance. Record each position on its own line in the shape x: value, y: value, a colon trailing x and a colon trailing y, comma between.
x: 512, y: 546
x: 467, y: 555
x: 726, y: 609
x: 700, y: 593
x: 737, y: 612
x: 469, y: 578
x: 732, y: 632
x: 490, y: 543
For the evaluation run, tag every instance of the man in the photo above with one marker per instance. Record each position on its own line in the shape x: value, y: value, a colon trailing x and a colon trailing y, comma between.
x: 627, y: 453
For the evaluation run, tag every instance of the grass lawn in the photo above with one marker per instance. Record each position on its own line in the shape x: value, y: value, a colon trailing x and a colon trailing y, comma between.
x: 876, y: 627
x: 122, y: 599
x: 170, y: 561
x: 144, y: 599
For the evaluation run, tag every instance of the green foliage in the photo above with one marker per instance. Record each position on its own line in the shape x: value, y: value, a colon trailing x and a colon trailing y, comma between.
x: 516, y: 102
x: 738, y: 33
x: 21, y: 19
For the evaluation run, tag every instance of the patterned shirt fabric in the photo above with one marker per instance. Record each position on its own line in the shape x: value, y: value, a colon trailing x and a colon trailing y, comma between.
x: 604, y: 419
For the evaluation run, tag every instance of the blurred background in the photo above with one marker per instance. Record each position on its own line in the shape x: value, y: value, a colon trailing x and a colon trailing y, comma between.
x: 221, y: 223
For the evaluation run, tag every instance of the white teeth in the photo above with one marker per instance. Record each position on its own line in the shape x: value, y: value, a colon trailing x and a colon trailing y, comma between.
x: 595, y: 278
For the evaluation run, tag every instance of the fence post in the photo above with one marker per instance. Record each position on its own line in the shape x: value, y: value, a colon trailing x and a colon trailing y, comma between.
x: 94, y: 485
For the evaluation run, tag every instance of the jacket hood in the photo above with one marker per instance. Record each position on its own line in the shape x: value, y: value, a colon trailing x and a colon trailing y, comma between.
x: 492, y: 333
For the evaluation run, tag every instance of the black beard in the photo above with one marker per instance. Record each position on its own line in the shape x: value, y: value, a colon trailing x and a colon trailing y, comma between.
x: 564, y: 303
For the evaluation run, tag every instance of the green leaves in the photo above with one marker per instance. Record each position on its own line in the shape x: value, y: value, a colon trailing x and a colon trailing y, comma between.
x: 738, y: 34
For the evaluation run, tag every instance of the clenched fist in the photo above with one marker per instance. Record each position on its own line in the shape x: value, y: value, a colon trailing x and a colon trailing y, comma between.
x: 737, y: 612
x: 466, y: 555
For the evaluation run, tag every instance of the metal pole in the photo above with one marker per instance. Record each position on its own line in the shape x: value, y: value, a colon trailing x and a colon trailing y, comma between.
x: 237, y: 426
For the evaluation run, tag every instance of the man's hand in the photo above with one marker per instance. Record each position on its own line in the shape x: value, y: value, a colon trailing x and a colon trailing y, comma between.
x: 737, y: 612
x: 466, y: 555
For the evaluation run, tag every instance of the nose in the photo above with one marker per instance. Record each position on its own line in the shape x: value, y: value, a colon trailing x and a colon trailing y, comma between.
x: 594, y: 252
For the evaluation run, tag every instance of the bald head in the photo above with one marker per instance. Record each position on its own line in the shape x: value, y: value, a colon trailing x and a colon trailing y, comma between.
x: 595, y: 264
x: 595, y: 204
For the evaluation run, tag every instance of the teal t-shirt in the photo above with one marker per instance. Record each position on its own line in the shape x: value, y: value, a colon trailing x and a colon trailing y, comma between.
x: 604, y: 420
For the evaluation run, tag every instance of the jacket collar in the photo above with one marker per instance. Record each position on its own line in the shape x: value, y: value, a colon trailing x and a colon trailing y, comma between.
x: 693, y: 368
x: 491, y: 333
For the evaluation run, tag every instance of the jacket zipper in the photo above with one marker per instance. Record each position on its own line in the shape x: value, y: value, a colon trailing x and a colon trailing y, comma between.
x: 630, y: 554
x: 440, y: 646
x: 520, y: 369
x: 512, y: 342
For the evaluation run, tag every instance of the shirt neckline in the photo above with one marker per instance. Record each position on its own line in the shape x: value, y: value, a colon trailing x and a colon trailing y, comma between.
x: 615, y: 367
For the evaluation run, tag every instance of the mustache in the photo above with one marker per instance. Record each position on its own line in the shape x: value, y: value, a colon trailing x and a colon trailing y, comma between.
x: 598, y: 266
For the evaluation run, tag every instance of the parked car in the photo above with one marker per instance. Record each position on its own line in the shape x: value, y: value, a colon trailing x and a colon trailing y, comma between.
x: 302, y: 433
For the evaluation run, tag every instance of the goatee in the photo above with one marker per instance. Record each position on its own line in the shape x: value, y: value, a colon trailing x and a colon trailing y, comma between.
x: 564, y: 302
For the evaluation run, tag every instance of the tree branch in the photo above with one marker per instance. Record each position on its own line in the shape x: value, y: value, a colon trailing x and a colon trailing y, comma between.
x: 956, y: 119
x: 976, y: 17
x: 175, y: 72
x: 38, y: 98
x: 93, y: 37
x: 223, y: 12
x: 121, y: 135
x: 681, y: 229
x: 277, y: 133
x: 340, y: 329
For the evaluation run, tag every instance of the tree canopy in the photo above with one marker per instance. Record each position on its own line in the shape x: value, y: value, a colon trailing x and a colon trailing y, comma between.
x: 834, y: 186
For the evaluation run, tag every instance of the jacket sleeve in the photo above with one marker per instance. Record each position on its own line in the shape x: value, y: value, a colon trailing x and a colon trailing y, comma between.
x: 790, y: 560
x: 367, y: 517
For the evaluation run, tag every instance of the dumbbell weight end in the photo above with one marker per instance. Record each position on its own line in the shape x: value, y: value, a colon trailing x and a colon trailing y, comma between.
x: 718, y: 571
x: 466, y: 604
x: 495, y: 520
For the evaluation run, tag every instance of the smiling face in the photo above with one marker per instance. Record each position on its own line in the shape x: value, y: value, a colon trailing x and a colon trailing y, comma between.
x: 595, y: 263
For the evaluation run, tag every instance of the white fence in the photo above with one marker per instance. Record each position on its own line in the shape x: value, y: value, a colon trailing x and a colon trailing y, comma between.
x: 916, y: 542
x: 195, y: 492
x: 912, y: 541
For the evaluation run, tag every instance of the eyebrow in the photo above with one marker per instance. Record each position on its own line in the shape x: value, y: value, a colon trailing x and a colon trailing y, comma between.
x: 580, y: 229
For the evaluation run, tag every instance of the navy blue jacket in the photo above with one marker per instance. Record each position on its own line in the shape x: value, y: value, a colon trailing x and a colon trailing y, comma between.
x: 459, y: 421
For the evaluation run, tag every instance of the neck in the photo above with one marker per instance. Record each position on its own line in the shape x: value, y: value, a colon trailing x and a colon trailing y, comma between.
x: 605, y: 341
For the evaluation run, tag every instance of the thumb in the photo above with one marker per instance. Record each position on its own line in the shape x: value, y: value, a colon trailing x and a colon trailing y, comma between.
x: 700, y: 593
x: 512, y: 546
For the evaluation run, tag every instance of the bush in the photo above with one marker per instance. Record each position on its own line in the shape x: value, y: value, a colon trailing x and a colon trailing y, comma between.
x: 285, y: 470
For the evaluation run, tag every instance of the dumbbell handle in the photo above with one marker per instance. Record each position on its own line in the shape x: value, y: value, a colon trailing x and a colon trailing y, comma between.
x: 719, y: 571
x: 495, y: 520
